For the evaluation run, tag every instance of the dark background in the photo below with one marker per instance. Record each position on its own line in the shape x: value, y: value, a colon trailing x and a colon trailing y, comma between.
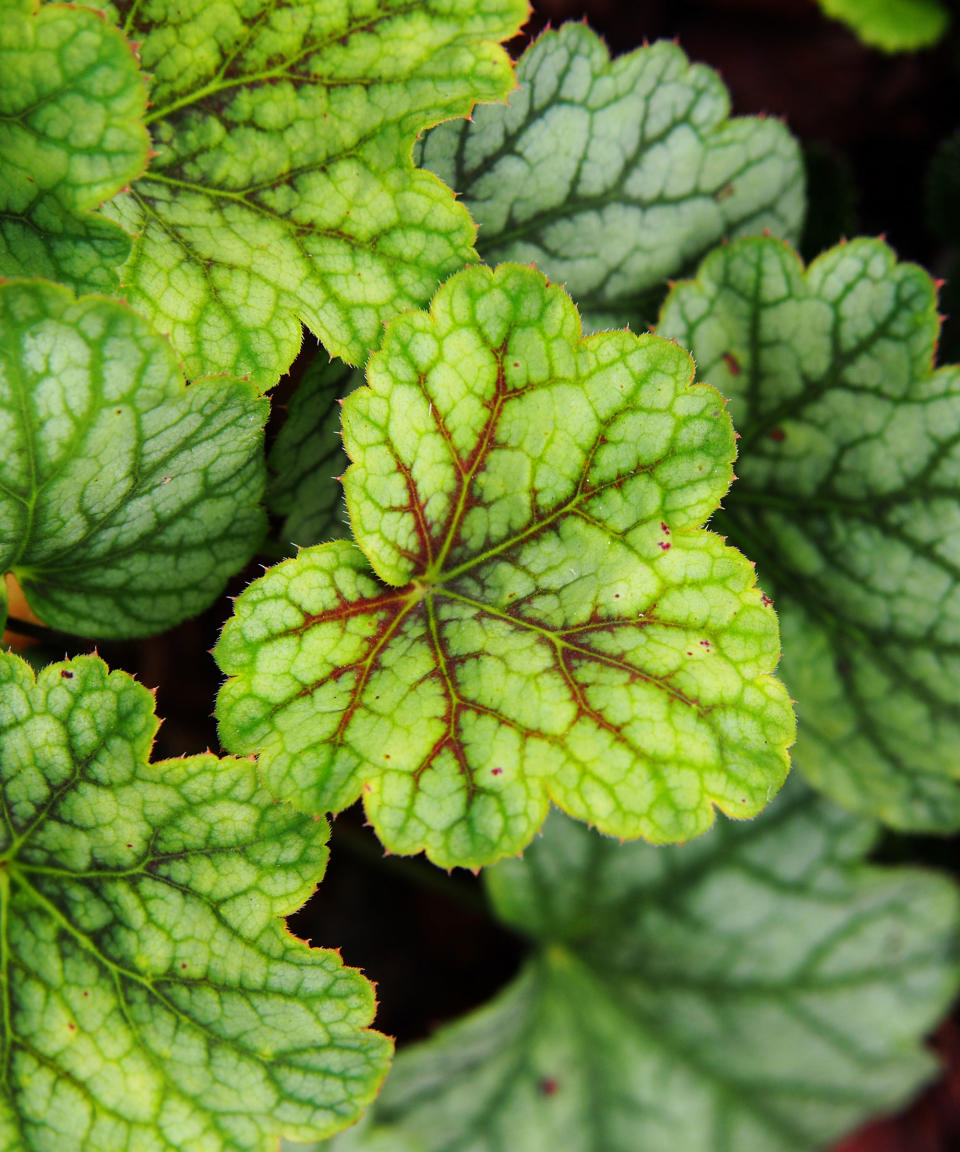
x: 870, y: 125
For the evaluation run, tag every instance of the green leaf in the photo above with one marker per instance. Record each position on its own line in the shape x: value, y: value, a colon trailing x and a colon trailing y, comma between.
x: 616, y: 176
x: 307, y: 457
x: 849, y: 500
x: 892, y: 25
x: 759, y: 989
x: 126, y: 500
x: 152, y: 1000
x: 283, y: 189
x: 552, y: 622
x: 72, y: 134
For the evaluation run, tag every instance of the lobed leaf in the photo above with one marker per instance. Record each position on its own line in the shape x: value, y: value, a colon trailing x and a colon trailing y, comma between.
x: 892, y: 25
x: 849, y: 499
x: 549, y: 619
x: 759, y: 989
x: 72, y: 134
x: 152, y: 1000
x: 126, y: 500
x: 283, y: 189
x: 614, y: 176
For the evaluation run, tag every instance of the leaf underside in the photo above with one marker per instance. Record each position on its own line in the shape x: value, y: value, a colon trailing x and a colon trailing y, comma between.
x: 152, y: 999
x: 759, y: 989
x: 615, y: 176
x: 893, y: 25
x: 72, y: 103
x: 848, y: 498
x: 283, y: 189
x: 552, y: 621
x: 126, y: 499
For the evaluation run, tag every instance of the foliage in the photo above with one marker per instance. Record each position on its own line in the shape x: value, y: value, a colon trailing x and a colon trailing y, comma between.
x: 849, y: 498
x: 531, y: 593
x: 151, y: 998
x: 531, y: 503
x: 892, y: 25
x: 760, y: 988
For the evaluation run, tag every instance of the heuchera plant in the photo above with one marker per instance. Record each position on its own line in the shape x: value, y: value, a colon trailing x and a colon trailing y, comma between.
x: 520, y: 576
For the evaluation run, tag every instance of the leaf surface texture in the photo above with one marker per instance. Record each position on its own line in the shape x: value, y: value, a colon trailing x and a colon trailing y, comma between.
x: 848, y: 499
x: 549, y: 618
x: 152, y: 999
x: 126, y: 499
x: 758, y: 989
x: 72, y: 134
x: 283, y: 189
x: 613, y: 176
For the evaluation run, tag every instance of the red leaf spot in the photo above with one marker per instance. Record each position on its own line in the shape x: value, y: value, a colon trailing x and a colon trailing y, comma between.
x: 664, y: 528
x: 689, y: 653
x: 183, y: 965
x: 664, y: 546
x: 732, y: 363
x: 765, y: 600
x: 778, y: 434
x: 496, y: 771
x: 72, y: 1027
x: 704, y: 643
x: 616, y: 595
x: 65, y: 674
x: 86, y: 993
x: 386, y: 755
x: 548, y: 1086
x: 129, y: 845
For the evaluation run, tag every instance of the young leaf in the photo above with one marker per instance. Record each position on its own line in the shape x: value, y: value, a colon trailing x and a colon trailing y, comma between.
x: 307, y: 457
x: 759, y: 989
x: 126, y: 500
x: 283, y: 189
x: 849, y: 500
x: 72, y: 103
x: 615, y: 176
x: 892, y: 25
x: 552, y: 621
x: 152, y: 1000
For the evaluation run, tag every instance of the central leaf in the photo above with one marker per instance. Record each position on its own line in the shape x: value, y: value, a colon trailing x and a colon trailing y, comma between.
x: 553, y: 621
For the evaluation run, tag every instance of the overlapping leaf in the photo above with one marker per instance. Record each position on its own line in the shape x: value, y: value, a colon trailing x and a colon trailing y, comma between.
x: 849, y: 501
x: 759, y: 989
x: 615, y: 176
x: 126, y: 500
x: 552, y: 621
x: 893, y: 25
x: 307, y: 457
x: 152, y: 1000
x: 72, y: 105
x: 283, y: 189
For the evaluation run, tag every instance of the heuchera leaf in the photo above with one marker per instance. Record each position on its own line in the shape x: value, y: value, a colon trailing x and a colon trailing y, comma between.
x: 152, y: 1000
x: 892, y: 25
x: 126, y: 500
x: 615, y: 176
x: 72, y: 134
x: 283, y: 189
x: 849, y: 500
x: 307, y: 457
x: 759, y: 989
x: 551, y: 620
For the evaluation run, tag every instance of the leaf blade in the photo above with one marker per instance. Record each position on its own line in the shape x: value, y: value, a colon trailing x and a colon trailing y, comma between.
x: 127, y: 500
x: 552, y: 618
x: 151, y: 996
x: 308, y: 208
x: 846, y: 482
